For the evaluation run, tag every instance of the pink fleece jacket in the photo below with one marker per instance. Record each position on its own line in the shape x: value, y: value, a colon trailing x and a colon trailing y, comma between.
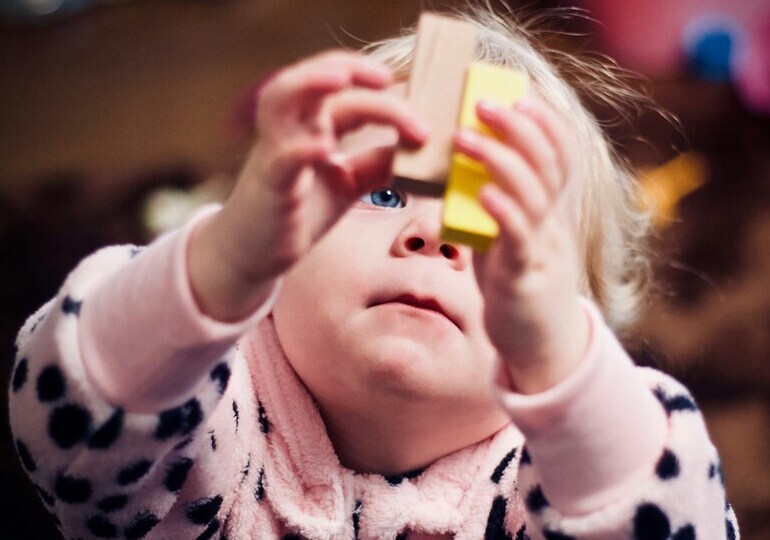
x: 136, y: 416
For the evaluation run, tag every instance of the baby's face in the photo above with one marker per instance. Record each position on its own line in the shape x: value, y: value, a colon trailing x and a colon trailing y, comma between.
x: 381, y: 307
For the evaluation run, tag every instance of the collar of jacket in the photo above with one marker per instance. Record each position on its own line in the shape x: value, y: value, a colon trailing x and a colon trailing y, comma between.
x: 310, y: 491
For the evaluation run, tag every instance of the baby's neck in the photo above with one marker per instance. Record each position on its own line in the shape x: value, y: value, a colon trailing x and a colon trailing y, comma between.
x: 392, y: 439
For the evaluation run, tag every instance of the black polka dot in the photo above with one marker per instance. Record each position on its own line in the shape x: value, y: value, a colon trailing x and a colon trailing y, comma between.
x: 70, y: 306
x: 179, y: 420
x: 192, y: 416
x: 291, y: 536
x: 68, y: 425
x: 497, y: 475
x: 264, y: 423
x: 210, y: 531
x: 668, y: 466
x: 651, y: 523
x: 141, y: 524
x: 133, y: 472
x: 176, y: 475
x: 47, y: 497
x: 730, y: 530
x: 715, y: 469
x: 682, y: 402
x: 133, y: 251
x: 213, y: 441
x: 245, y: 471
x: 112, y: 503
x: 396, y: 479
x: 526, y: 459
x: 521, y: 534
x: 203, y: 510
x: 549, y: 534
x: 358, y: 508
x: 73, y: 490
x: 101, y: 527
x: 236, y: 415
x: 169, y: 423
x: 536, y: 500
x: 496, y: 521
x: 221, y: 375
x: 259, y: 490
x: 685, y: 533
x: 25, y: 456
x: 108, y: 433
x: 20, y: 375
x: 50, y: 384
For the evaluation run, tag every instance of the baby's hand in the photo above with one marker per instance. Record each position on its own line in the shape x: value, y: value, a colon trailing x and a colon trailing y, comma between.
x: 529, y: 277
x: 296, y: 183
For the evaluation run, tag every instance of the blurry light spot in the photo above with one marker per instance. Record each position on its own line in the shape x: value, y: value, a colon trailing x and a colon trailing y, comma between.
x: 44, y: 7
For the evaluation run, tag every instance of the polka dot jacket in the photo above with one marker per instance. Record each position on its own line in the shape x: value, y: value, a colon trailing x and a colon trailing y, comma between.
x: 244, y: 453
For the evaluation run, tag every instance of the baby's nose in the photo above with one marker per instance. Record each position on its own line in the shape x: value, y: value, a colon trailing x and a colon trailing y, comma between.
x: 420, y: 235
x: 419, y: 243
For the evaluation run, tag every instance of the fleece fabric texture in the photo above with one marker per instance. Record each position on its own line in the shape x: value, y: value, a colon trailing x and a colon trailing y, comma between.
x: 239, y: 450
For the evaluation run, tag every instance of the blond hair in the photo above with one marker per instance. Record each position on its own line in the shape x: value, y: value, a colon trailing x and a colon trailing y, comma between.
x: 609, y: 224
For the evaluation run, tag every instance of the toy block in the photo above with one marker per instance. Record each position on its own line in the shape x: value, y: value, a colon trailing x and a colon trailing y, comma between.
x: 444, y: 49
x: 464, y: 220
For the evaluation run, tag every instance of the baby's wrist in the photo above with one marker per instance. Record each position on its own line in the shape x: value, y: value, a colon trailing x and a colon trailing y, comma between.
x: 545, y: 365
x: 220, y: 289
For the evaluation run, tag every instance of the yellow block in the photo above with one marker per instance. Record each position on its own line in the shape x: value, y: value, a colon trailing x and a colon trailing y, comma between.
x: 464, y: 220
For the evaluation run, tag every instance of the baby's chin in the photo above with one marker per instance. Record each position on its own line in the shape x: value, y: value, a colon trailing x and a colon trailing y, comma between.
x: 411, y: 367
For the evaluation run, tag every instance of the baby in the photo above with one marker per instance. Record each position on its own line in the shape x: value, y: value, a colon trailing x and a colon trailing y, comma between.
x: 311, y: 361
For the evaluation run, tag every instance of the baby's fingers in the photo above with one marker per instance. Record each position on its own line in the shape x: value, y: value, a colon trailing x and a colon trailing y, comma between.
x: 520, y: 130
x: 560, y: 136
x: 355, y: 108
x: 300, y: 153
x: 515, y: 228
x: 306, y: 82
x: 510, y: 171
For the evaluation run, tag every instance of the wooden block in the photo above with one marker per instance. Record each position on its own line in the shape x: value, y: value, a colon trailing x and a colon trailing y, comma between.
x: 444, y: 49
x: 464, y: 220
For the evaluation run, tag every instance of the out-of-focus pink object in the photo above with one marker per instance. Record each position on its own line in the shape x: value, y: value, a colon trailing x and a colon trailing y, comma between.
x: 647, y: 35
x: 752, y: 72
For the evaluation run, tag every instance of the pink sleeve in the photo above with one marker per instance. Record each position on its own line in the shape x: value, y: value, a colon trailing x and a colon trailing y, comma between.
x: 146, y: 345
x: 596, y: 433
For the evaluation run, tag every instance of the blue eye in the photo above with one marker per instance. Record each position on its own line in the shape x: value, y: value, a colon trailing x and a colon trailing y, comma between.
x: 385, y: 198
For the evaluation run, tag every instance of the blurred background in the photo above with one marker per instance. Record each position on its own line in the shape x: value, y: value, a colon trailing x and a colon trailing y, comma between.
x: 119, y: 117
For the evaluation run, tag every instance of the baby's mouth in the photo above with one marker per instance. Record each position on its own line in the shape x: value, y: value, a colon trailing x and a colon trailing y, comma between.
x: 426, y: 303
